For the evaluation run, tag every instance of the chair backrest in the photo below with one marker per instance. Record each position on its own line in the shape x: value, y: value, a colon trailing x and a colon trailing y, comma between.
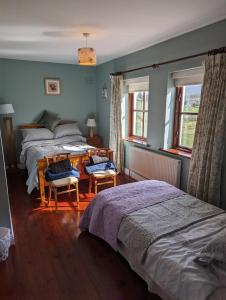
x: 101, y: 152
x: 76, y: 160
x: 56, y: 157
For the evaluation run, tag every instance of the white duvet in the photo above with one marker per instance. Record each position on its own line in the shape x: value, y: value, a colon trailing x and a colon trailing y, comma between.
x: 168, y: 266
x: 35, y: 150
x: 170, y: 261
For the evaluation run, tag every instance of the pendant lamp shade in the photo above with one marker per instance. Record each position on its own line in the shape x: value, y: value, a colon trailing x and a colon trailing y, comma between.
x: 86, y: 55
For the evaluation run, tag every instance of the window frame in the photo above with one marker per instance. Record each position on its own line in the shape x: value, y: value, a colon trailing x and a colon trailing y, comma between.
x: 131, y: 114
x: 178, y: 116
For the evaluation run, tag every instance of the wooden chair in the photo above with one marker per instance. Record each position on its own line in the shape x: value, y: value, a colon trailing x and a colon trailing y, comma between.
x: 101, y: 177
x: 62, y: 183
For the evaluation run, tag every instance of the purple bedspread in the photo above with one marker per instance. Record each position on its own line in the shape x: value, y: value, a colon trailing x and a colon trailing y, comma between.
x: 105, y: 213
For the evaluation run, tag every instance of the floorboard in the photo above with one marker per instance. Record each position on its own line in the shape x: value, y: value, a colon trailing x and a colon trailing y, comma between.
x: 53, y: 260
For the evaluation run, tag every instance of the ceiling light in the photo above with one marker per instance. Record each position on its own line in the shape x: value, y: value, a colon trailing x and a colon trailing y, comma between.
x: 87, y: 56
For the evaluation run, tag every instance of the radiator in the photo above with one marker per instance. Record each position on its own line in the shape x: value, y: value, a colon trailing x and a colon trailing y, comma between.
x: 151, y: 165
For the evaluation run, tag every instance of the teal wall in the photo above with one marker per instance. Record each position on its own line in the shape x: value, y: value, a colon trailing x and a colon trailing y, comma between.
x: 22, y: 84
x: 200, y: 40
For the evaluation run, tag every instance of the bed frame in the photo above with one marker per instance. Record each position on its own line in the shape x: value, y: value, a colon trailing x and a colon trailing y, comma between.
x: 32, y: 125
x: 79, y: 161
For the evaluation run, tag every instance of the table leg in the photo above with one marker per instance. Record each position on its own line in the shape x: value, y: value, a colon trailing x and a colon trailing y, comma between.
x: 42, y: 187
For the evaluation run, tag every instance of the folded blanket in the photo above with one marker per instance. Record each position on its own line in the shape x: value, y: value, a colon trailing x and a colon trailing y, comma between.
x: 90, y: 169
x: 49, y: 176
x: 154, y: 222
x: 96, y: 159
x: 60, y: 166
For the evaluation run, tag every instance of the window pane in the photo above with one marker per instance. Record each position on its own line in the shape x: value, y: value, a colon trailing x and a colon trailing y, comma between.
x: 145, y: 124
x: 187, y: 130
x: 137, y: 123
x: 191, y: 98
x: 146, y: 101
x: 138, y: 100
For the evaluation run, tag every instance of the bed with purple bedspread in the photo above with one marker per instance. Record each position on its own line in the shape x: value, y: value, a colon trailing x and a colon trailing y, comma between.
x: 104, y: 215
x: 160, y: 230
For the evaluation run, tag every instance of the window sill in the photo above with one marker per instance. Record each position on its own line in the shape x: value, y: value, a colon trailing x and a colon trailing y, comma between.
x: 178, y: 152
x: 135, y: 140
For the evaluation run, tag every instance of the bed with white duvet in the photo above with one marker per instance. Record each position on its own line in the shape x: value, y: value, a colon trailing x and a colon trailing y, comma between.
x: 40, y: 142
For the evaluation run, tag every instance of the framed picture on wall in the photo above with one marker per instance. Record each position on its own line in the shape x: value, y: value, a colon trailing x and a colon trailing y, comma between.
x: 52, y: 86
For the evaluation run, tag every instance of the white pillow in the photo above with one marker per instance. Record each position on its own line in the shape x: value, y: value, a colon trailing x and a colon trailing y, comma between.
x: 70, y: 139
x: 66, y: 130
x: 36, y: 134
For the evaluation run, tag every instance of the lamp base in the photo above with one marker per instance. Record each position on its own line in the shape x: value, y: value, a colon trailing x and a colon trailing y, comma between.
x: 91, y: 132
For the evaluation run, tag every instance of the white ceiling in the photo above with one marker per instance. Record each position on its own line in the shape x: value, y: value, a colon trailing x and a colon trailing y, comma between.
x: 51, y: 30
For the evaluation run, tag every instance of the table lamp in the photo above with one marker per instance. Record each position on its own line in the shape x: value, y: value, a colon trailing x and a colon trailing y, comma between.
x: 91, y: 123
x: 6, y: 110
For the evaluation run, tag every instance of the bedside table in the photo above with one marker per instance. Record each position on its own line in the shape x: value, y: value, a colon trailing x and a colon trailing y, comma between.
x: 94, y: 141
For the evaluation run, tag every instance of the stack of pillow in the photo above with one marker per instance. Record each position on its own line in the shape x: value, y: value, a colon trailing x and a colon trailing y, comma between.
x: 52, y: 129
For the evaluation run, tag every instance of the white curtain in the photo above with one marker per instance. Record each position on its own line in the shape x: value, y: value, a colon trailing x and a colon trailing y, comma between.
x: 116, y: 143
x: 204, y: 180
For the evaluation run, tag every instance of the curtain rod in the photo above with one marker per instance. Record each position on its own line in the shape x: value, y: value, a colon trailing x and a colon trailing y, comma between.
x: 154, y: 66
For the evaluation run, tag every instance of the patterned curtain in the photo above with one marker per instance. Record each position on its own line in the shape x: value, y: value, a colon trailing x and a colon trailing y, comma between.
x: 207, y: 155
x: 116, y: 143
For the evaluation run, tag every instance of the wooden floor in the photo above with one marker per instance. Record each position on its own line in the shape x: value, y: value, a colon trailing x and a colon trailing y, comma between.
x: 52, y: 260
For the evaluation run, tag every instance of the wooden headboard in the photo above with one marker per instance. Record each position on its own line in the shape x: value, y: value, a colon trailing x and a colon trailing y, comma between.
x: 32, y: 125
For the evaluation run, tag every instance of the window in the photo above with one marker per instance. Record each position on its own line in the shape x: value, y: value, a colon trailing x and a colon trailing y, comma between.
x: 135, y: 109
x: 186, y: 112
x: 138, y: 114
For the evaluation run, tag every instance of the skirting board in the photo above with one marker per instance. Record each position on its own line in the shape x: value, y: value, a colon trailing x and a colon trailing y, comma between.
x: 134, y: 175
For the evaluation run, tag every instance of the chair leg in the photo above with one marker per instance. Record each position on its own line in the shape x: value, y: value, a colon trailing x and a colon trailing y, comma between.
x: 50, y: 194
x: 114, y: 180
x: 55, y: 197
x: 95, y: 186
x: 69, y: 187
x: 90, y: 184
x: 77, y: 192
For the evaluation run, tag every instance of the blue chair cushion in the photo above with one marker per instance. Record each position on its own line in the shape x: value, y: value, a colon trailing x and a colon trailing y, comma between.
x: 90, y: 169
x: 49, y: 176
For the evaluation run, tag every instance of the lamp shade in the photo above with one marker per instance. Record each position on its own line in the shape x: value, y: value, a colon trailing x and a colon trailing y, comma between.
x: 91, y: 123
x: 87, y: 57
x: 6, y: 109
